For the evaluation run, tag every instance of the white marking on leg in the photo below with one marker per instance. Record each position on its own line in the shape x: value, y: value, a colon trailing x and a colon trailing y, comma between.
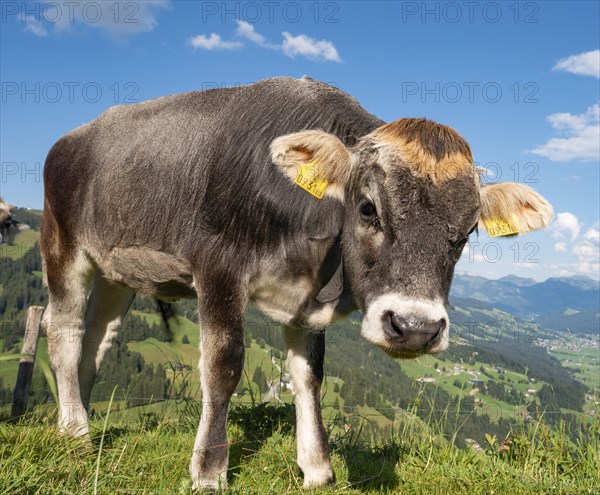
x: 322, y: 316
x: 221, y: 364
x: 206, y: 440
x: 63, y: 322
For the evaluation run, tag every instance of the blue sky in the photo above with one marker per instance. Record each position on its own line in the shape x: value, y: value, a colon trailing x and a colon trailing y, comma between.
x: 520, y: 81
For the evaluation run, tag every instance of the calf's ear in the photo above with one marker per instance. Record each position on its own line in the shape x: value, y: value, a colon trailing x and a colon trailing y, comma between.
x: 326, y: 156
x: 515, y: 205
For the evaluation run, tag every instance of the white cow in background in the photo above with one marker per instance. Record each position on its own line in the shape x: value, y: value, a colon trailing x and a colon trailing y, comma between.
x: 9, y: 227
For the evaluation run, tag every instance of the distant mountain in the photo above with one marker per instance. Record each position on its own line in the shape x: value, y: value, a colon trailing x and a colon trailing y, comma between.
x: 561, y: 294
x: 518, y: 281
x: 558, y: 303
x: 579, y: 281
x: 506, y: 294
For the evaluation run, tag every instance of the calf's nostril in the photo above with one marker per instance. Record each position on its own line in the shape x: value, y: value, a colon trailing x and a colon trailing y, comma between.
x: 434, y: 328
x: 438, y: 328
x: 413, y: 333
x: 399, y: 324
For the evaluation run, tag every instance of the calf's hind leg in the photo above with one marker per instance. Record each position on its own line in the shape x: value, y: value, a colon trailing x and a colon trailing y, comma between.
x: 69, y: 280
x: 108, y: 304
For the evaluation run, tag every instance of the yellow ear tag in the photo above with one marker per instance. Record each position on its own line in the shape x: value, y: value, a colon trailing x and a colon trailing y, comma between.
x: 309, y: 180
x: 498, y: 227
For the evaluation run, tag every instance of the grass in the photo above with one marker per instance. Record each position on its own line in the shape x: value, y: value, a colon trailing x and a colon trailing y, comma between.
x: 147, y: 450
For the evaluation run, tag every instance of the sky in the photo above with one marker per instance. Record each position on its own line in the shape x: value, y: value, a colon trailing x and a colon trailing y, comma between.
x: 519, y: 80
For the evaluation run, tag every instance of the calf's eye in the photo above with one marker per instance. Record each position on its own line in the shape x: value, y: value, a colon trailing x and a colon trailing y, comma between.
x: 367, y: 210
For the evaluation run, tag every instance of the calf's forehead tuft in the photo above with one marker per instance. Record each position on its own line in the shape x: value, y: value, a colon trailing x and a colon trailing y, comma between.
x: 427, y: 148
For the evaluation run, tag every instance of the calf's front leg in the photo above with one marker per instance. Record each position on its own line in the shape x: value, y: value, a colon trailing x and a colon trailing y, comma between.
x: 222, y: 306
x: 306, y: 351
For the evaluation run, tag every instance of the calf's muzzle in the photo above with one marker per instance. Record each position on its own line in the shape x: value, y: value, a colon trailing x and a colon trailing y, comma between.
x: 412, y: 334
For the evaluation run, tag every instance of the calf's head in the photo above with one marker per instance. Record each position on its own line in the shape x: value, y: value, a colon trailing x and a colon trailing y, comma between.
x: 412, y: 197
x: 9, y: 227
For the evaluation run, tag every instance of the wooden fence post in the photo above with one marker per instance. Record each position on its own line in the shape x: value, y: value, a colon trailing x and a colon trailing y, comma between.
x: 30, y: 341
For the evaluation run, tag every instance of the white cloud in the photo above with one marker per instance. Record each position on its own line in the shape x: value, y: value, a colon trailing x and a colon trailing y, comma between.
x: 292, y: 46
x: 589, y: 269
x: 565, y: 121
x: 592, y: 236
x: 589, y: 247
x: 117, y: 18
x: 246, y: 30
x: 588, y: 253
x: 585, y: 248
x: 562, y: 272
x: 213, y: 42
x: 584, y: 64
x: 309, y: 48
x: 569, y: 269
x: 585, y: 251
x: 582, y: 136
x: 34, y: 25
x: 560, y: 247
x: 466, y: 250
x: 565, y: 226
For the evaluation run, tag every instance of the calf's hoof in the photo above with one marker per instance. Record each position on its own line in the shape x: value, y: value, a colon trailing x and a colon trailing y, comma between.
x: 209, y: 486
x: 318, y: 477
x: 75, y: 430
